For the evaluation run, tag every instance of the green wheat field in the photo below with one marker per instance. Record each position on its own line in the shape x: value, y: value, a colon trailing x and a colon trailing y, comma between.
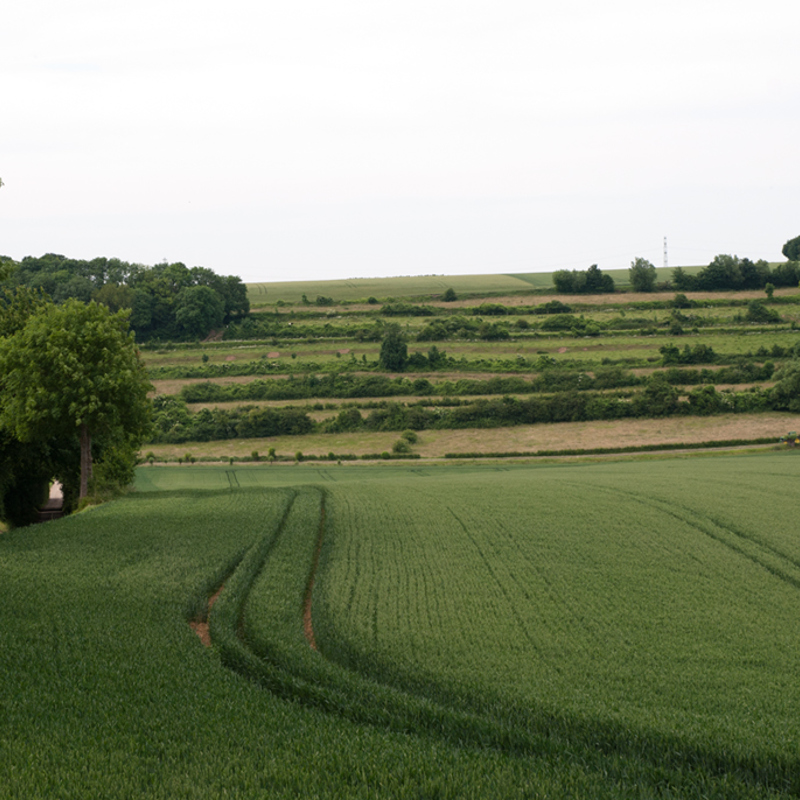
x: 625, y: 629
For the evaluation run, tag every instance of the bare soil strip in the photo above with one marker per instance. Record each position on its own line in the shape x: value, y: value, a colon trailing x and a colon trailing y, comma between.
x: 200, y: 625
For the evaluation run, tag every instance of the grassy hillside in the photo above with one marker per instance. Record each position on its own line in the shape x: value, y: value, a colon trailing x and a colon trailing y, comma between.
x: 360, y: 289
x: 356, y: 289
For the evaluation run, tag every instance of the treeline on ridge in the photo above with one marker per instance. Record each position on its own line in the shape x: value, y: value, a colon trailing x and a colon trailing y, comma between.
x: 166, y: 301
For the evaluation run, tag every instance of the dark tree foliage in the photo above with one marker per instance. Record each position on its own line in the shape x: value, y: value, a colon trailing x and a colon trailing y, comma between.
x: 590, y: 281
x: 198, y: 310
x: 787, y: 274
x: 155, y: 295
x: 73, y: 370
x: 553, y: 307
x: 785, y: 395
x: 792, y: 249
x: 394, y: 350
x: 728, y: 272
x: 683, y: 281
x: 758, y: 312
x: 25, y: 472
x: 642, y: 275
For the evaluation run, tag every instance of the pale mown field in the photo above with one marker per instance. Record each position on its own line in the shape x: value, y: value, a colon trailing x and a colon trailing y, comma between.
x: 522, y: 438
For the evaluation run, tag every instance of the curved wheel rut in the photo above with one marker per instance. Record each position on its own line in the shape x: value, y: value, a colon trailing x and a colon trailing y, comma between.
x: 200, y: 624
x: 308, y: 626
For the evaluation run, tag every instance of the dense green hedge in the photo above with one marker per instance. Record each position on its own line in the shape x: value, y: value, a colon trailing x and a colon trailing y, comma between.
x: 173, y: 423
x: 350, y: 385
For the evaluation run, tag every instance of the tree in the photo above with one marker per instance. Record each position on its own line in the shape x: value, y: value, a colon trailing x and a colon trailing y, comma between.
x: 785, y: 395
x: 724, y: 272
x: 564, y: 281
x: 597, y: 281
x: 73, y: 371
x: 642, y: 275
x: 394, y: 351
x: 683, y: 281
x: 115, y: 296
x: 758, y: 312
x: 198, y: 310
x: 7, y: 267
x: 575, y: 281
x: 659, y: 398
x: 792, y: 249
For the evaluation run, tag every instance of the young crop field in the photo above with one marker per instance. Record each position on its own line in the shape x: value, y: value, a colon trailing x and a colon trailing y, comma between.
x: 401, y: 286
x: 610, y: 630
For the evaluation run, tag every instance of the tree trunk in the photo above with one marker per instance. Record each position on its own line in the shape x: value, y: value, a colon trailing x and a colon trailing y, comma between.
x: 86, y: 461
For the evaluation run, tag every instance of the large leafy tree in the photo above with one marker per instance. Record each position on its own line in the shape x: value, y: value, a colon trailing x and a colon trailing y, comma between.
x: 642, y: 275
x: 792, y: 249
x: 74, y: 370
x: 198, y: 310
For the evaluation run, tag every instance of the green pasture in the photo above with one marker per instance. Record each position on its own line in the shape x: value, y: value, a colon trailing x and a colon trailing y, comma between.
x: 280, y: 359
x: 607, y: 630
x: 360, y: 289
x: 418, y: 286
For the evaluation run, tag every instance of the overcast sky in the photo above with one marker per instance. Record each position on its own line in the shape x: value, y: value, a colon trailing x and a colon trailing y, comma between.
x: 354, y: 138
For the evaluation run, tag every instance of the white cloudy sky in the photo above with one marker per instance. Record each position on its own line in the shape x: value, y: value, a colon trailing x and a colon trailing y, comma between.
x: 305, y: 139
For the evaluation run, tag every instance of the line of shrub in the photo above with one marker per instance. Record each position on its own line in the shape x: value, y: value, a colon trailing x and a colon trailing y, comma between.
x: 174, y: 424
x: 342, y: 386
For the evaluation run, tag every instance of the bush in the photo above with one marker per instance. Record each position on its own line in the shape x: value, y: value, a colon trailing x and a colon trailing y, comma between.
x: 758, y: 312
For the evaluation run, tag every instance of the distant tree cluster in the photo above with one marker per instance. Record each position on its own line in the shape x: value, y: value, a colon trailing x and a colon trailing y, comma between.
x: 166, y: 301
x: 734, y: 273
x: 590, y: 281
x: 724, y: 272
